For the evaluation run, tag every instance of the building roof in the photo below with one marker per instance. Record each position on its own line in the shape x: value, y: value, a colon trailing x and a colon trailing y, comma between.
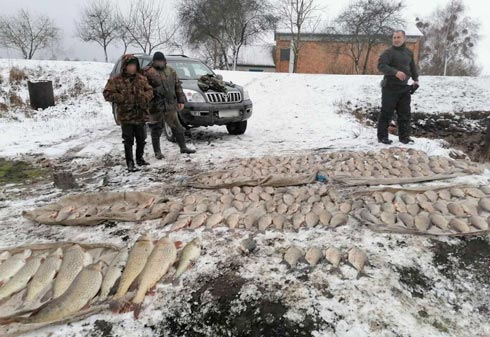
x: 256, y: 55
x: 410, y: 29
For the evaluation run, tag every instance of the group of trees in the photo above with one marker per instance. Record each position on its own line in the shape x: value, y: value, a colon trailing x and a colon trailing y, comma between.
x: 218, y: 29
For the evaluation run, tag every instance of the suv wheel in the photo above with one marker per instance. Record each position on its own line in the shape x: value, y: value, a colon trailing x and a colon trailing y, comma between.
x: 168, y: 133
x: 237, y: 128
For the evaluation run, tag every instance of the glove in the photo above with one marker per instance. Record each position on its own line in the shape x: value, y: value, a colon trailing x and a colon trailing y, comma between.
x: 413, y: 88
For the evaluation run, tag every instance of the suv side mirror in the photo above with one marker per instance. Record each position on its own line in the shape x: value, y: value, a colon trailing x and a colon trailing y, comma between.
x: 219, y: 77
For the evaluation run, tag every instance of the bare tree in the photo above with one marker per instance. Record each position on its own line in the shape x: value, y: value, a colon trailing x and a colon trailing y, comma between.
x: 148, y: 25
x: 205, y: 25
x: 367, y: 23
x: 298, y: 16
x: 125, y: 38
x: 99, y: 24
x: 449, y: 41
x: 28, y: 33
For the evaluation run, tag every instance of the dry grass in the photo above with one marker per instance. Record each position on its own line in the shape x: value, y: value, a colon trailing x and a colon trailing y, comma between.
x: 15, y: 100
x: 17, y: 75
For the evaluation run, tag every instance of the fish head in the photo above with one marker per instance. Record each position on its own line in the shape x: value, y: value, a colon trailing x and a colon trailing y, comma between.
x: 97, y: 266
x: 58, y: 253
x: 164, y: 241
x: 197, y: 242
x: 144, y: 237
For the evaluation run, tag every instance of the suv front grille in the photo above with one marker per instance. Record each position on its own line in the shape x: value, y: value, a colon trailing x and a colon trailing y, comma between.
x: 221, y: 97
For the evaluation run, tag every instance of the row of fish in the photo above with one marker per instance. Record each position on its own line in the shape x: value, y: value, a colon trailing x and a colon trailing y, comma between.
x: 74, y: 279
x: 387, y: 163
x: 135, y: 211
x: 355, y: 257
x: 452, y: 210
x: 260, y: 208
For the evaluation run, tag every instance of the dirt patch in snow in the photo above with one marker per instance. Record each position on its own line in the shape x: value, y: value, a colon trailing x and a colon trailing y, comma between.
x: 415, y: 281
x: 464, y: 131
x: 19, y: 172
x: 218, y: 308
x: 469, y: 257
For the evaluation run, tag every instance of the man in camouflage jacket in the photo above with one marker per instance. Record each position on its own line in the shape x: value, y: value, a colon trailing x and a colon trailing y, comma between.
x: 131, y: 94
x: 168, y: 99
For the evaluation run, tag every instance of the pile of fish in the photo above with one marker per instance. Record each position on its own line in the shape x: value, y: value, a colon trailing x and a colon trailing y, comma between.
x: 260, y: 208
x: 390, y: 163
x: 444, y: 211
x: 35, y: 275
x: 47, y: 284
x: 95, y: 208
x: 355, y: 257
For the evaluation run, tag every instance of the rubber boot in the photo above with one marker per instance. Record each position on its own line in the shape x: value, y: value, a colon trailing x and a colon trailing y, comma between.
x: 140, y: 151
x: 180, y: 138
x: 155, y: 141
x: 128, y: 152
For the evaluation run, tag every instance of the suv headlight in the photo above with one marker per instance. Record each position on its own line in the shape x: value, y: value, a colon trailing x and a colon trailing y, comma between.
x: 246, y: 95
x: 194, y: 96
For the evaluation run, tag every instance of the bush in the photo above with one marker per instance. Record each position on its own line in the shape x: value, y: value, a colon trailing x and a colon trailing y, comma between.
x: 15, y: 100
x: 17, y: 75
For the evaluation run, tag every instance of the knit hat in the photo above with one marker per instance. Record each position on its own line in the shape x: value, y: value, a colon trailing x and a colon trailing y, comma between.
x: 158, y: 56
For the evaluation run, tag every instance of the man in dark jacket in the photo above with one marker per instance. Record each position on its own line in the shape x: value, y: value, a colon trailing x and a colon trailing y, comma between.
x: 398, y: 65
x: 168, y: 99
x: 131, y: 94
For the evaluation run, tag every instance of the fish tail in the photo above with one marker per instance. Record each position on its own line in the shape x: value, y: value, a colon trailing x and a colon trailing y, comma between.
x: 176, y: 282
x: 116, y: 306
x: 136, y: 310
x: 362, y: 273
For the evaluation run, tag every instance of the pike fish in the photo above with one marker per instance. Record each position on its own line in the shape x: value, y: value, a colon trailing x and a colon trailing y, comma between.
x: 44, y: 275
x: 137, y: 259
x: 84, y: 288
x: 12, y: 265
x: 113, y: 273
x: 160, y: 260
x: 75, y: 258
x: 190, y: 254
x: 20, y: 280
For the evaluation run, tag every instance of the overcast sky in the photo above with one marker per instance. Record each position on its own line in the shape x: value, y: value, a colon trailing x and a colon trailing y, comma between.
x: 65, y: 12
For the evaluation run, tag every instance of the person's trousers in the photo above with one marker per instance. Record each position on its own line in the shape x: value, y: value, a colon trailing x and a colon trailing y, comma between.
x: 132, y: 132
x: 395, y: 99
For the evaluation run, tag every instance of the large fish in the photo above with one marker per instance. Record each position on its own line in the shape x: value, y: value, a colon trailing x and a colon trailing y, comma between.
x: 334, y: 256
x: 358, y: 259
x: 20, y: 280
x: 293, y: 255
x: 83, y: 288
x: 136, y: 262
x: 313, y: 256
x: 113, y: 273
x: 75, y: 258
x: 44, y: 275
x: 161, y: 259
x: 12, y: 265
x: 190, y: 254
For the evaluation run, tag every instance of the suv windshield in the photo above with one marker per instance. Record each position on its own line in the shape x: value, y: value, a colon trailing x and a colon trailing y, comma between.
x: 190, y: 70
x: 186, y: 70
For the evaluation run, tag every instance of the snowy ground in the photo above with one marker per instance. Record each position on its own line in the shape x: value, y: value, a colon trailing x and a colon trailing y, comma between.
x: 292, y: 114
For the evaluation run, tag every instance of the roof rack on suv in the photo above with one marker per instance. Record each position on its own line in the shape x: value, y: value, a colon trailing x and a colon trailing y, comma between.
x: 181, y: 55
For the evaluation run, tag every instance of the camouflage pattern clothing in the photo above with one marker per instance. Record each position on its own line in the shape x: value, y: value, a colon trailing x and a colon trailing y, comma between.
x: 131, y: 94
x: 167, y: 90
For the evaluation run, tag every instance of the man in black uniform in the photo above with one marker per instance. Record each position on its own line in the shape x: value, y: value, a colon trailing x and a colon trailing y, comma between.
x: 398, y: 65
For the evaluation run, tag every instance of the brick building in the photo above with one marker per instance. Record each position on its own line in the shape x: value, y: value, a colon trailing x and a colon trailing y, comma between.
x: 323, y: 53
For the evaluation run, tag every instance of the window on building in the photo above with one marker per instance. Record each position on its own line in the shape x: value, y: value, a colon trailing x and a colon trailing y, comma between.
x: 285, y: 54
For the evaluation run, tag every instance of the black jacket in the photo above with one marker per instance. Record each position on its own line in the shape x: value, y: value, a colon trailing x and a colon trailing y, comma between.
x: 396, y: 59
